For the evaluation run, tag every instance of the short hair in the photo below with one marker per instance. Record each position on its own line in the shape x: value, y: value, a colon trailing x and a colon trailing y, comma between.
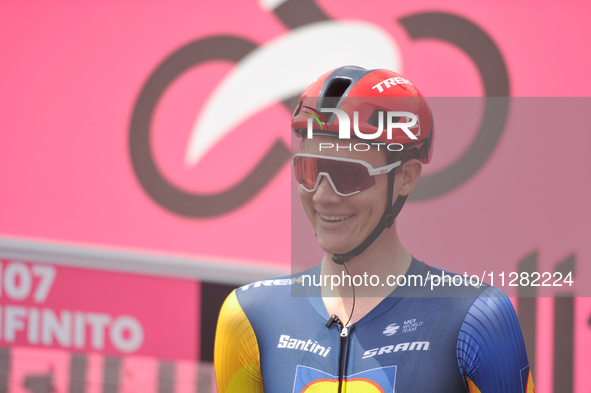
x: 404, y: 155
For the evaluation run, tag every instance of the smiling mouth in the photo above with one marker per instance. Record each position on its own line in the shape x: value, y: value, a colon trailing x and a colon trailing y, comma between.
x: 336, y: 218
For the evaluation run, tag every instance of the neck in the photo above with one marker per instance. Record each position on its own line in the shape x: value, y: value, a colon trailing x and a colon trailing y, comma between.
x: 386, y: 256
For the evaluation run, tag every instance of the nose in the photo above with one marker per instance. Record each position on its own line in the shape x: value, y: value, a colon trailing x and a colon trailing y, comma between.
x: 325, y: 193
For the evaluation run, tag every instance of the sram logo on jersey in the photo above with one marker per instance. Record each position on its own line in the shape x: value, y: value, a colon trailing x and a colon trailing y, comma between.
x: 391, y: 329
x: 413, y: 346
x: 286, y: 341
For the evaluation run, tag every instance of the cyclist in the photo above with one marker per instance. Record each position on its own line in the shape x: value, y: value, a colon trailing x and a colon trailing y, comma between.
x: 357, y: 337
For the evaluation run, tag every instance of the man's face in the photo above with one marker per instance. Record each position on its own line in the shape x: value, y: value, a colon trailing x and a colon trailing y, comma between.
x: 342, y: 223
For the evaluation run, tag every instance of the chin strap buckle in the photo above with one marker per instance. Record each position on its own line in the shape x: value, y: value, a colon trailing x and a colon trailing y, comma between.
x: 340, y: 259
x: 388, y: 220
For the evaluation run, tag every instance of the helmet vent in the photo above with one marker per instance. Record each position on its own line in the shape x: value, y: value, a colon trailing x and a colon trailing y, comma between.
x: 335, y: 90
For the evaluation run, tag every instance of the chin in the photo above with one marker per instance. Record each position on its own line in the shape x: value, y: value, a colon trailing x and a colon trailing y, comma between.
x: 333, y: 248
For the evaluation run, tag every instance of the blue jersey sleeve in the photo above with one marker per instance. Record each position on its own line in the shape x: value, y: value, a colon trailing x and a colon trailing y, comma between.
x: 490, y: 348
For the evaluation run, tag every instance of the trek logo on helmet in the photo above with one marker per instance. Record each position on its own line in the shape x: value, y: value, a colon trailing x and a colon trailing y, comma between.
x: 391, y: 82
x: 393, y: 120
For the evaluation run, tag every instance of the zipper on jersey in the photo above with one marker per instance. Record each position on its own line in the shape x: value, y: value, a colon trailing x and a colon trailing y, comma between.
x: 344, y: 334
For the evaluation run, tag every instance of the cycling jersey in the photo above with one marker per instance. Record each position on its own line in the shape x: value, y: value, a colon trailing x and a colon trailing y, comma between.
x: 419, y: 339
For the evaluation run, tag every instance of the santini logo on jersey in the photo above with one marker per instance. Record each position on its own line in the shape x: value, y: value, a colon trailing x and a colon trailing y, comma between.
x: 286, y: 341
x: 414, y: 346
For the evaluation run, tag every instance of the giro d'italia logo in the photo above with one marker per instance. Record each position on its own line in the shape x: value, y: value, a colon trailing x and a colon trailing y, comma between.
x: 337, y: 43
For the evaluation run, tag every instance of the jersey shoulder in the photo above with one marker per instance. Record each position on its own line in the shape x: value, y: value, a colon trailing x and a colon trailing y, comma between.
x: 277, y: 291
x: 490, y: 349
x: 253, y: 318
x: 236, y: 354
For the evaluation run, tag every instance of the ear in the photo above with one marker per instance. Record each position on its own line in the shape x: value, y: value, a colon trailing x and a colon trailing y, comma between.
x: 408, y: 176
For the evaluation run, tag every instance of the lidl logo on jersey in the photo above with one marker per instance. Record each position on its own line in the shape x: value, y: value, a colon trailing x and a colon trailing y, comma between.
x: 377, y: 380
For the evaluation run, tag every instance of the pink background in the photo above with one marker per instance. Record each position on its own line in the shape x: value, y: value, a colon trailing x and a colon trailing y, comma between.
x: 167, y: 309
x: 139, y: 373
x: 72, y: 72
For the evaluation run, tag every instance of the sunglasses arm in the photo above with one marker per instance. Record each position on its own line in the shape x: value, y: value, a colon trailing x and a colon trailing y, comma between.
x: 384, y: 169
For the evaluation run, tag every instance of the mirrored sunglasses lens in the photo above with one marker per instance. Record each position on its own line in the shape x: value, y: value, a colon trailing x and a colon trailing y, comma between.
x: 348, y: 177
x: 306, y: 171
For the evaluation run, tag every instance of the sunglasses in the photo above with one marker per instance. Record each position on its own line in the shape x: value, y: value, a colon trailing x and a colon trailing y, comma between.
x: 346, y: 175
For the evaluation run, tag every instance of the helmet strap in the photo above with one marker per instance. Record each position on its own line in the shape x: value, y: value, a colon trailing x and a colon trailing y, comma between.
x: 386, y: 221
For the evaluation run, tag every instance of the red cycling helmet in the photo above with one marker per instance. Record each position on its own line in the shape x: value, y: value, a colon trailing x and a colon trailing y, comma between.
x: 370, y: 93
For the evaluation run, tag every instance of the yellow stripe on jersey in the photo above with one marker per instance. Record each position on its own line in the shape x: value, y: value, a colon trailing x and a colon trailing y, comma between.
x: 472, y: 388
x: 530, y: 384
x: 236, y: 356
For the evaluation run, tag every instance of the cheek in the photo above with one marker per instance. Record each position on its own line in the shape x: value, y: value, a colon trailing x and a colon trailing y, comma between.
x: 381, y: 194
x: 306, y: 199
x: 303, y: 194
